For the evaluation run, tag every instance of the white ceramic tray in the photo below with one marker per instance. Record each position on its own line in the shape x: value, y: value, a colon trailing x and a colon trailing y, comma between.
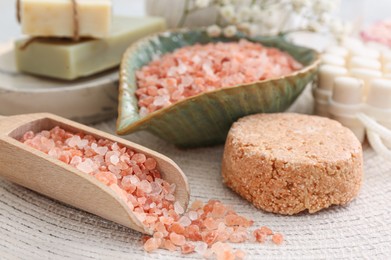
x: 86, y: 100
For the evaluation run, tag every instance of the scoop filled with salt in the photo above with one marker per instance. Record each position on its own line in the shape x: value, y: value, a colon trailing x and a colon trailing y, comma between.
x: 91, y: 170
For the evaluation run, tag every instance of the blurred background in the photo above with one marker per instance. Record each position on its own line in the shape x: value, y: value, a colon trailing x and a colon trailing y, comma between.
x: 359, y: 11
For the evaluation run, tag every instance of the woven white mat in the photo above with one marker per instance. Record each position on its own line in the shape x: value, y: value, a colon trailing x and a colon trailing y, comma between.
x: 36, y: 227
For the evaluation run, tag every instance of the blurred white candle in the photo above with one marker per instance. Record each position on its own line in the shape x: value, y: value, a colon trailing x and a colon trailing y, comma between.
x: 378, y: 105
x: 327, y: 74
x: 332, y: 59
x: 386, y: 57
x: 351, y: 43
x: 322, y: 94
x: 348, y: 90
x: 365, y: 52
x: 367, y: 76
x: 346, y: 102
x: 364, y: 63
x: 338, y: 51
x: 387, y: 68
x: 380, y: 94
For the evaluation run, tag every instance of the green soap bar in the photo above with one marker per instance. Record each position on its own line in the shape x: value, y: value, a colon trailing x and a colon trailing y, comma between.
x: 64, y: 59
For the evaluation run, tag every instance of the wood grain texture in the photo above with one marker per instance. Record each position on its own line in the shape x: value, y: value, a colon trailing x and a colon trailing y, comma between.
x: 37, y: 171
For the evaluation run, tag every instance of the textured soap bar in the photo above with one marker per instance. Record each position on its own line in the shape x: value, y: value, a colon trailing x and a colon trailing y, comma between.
x: 56, y: 18
x: 69, y: 60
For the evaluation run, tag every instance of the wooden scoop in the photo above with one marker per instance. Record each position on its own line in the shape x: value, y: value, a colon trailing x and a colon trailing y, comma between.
x: 38, y: 171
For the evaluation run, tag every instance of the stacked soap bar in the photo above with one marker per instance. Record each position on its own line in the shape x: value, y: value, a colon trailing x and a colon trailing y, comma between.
x: 355, y: 78
x: 58, y: 18
x: 67, y: 59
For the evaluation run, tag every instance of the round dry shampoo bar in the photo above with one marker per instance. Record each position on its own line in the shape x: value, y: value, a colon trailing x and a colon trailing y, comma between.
x: 288, y: 163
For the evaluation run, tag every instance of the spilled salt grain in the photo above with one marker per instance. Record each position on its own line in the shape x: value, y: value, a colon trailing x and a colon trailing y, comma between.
x: 178, y: 208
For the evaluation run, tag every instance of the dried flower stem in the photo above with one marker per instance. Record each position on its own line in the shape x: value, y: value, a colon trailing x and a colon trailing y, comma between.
x: 182, y: 21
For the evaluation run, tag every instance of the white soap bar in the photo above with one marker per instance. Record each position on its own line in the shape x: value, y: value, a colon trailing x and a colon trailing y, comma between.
x: 348, y: 90
x: 55, y: 18
x: 69, y: 60
x: 327, y: 74
x: 364, y: 63
x: 380, y: 94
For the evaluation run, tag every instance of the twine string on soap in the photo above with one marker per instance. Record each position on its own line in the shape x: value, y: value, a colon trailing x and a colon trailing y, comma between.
x: 18, y: 10
x: 75, y: 15
x: 76, y: 25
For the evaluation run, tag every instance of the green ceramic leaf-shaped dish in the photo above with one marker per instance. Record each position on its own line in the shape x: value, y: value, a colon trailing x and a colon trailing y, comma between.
x: 206, y: 118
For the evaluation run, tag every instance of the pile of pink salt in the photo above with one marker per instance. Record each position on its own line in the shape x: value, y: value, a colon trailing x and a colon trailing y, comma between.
x: 204, y: 229
x: 192, y: 70
x: 207, y: 230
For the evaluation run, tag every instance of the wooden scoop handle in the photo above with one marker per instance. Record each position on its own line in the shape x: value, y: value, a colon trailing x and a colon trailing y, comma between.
x: 37, y: 171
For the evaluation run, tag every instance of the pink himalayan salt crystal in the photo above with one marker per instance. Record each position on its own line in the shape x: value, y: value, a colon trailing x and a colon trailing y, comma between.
x: 193, y: 215
x: 177, y: 228
x: 187, y: 248
x: 223, y: 251
x: 152, y: 244
x: 178, y: 208
x: 277, y: 239
x: 201, y: 248
x: 266, y: 230
x: 259, y: 236
x: 239, y: 254
x: 238, y: 237
x: 209, y: 237
x: 107, y: 178
x: 139, y: 158
x: 86, y: 166
x: 185, y: 221
x: 158, y: 235
x: 197, y: 204
x: 211, y: 223
x: 150, y: 164
x: 218, y: 210
x: 145, y: 186
x: 170, y: 197
x: 167, y: 244
x: 191, y: 70
x: 178, y: 240
x: 28, y: 135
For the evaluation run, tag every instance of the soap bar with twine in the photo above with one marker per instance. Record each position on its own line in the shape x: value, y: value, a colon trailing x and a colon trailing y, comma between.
x: 65, y: 18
